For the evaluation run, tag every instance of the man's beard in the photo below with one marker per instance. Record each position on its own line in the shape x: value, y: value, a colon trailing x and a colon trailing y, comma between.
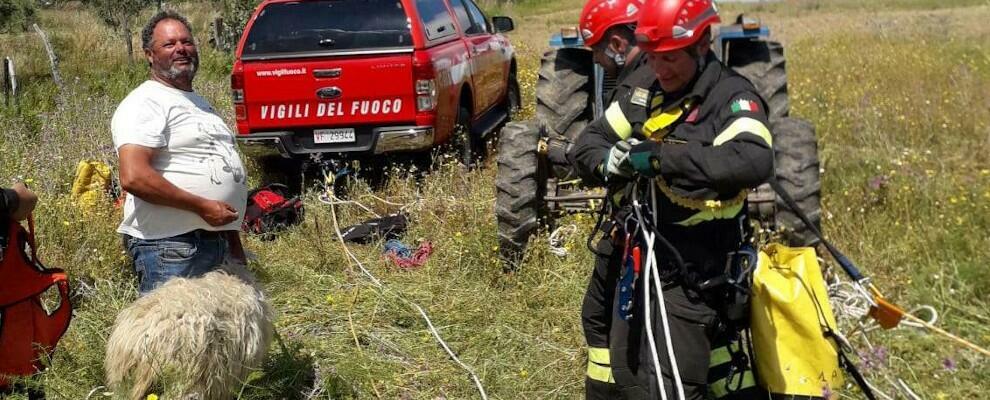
x: 174, y: 73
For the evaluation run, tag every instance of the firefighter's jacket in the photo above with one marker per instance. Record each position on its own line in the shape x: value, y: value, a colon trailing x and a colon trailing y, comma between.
x: 715, y: 142
x: 633, y: 69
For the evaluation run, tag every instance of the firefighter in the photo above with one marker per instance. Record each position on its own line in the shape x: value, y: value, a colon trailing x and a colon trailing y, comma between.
x: 607, y: 27
x: 689, y: 141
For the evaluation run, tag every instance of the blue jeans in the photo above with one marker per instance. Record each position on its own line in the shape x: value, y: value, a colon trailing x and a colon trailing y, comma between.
x: 187, y: 255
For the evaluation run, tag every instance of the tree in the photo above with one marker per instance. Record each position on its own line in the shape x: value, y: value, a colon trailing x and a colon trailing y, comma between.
x: 234, y: 15
x: 119, y: 15
x: 16, y: 15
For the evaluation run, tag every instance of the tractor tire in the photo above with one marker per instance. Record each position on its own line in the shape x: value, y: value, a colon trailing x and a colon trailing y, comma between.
x: 797, y: 170
x: 520, y: 188
x: 763, y: 63
x: 564, y: 92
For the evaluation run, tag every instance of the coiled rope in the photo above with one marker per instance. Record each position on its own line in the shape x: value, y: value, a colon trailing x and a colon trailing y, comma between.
x: 851, y: 307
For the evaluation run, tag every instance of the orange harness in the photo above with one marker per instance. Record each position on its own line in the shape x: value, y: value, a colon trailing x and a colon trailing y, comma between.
x: 28, y: 333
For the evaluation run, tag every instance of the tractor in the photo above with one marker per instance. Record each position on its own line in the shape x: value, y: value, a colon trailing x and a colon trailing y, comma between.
x: 536, y: 185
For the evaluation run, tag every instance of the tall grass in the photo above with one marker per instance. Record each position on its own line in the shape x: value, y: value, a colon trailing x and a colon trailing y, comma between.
x: 900, y: 100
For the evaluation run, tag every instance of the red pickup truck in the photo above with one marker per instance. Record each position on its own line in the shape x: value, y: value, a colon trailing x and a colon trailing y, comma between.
x: 361, y: 78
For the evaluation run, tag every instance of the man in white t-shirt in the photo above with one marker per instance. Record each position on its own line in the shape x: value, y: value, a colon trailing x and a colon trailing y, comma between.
x: 186, y: 186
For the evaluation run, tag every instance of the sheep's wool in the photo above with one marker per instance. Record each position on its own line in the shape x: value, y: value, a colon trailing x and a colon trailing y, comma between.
x: 192, y: 338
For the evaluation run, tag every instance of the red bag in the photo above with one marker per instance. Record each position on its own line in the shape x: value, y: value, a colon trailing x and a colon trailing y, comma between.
x: 27, y: 332
x: 270, y: 211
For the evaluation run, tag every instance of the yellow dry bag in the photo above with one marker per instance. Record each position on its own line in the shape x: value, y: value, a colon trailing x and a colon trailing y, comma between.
x: 91, y: 183
x: 791, y: 319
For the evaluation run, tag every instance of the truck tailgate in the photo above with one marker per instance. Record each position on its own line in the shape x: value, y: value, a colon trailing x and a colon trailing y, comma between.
x: 329, y: 91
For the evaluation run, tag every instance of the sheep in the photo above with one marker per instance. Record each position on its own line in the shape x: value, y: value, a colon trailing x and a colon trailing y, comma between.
x: 192, y: 338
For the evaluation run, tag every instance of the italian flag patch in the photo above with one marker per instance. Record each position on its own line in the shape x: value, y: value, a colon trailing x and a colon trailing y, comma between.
x: 745, y: 105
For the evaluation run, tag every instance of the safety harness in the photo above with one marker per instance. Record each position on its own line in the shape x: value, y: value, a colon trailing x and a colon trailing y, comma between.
x: 729, y: 287
x: 28, y: 332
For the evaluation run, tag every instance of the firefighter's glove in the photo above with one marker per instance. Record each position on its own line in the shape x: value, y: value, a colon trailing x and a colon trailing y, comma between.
x: 616, y: 163
x: 644, y: 157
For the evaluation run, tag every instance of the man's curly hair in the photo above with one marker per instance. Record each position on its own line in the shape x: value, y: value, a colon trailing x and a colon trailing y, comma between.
x: 149, y: 29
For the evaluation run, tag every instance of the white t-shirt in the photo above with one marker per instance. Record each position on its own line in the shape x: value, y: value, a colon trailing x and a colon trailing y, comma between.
x: 196, y: 152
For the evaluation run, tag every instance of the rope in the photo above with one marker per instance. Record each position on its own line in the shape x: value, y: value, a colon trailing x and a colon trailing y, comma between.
x: 851, y: 306
x: 331, y: 200
x: 650, y: 274
x: 385, y: 289
x: 92, y: 392
x: 557, y: 239
x: 847, y: 300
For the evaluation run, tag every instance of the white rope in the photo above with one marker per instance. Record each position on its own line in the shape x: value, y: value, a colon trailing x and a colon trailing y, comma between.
x: 383, y: 201
x: 646, y: 307
x: 663, y: 304
x: 646, y: 294
x: 851, y: 303
x: 852, y: 306
x: 380, y: 285
x: 650, y: 272
x: 331, y: 200
x: 558, y: 237
x: 91, y: 392
x: 907, y: 390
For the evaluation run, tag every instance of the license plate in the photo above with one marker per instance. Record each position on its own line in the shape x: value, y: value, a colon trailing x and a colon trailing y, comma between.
x: 335, y: 135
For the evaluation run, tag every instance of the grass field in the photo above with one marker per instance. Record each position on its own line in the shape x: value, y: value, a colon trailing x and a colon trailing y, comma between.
x: 899, y: 91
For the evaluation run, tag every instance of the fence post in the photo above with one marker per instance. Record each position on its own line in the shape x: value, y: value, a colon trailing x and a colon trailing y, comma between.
x: 9, y: 82
x: 219, y: 40
x: 52, y: 58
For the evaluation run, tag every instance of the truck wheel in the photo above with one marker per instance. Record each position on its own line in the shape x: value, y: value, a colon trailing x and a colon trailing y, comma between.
x: 521, y: 186
x: 796, y: 156
x: 467, y: 147
x: 513, y: 98
x: 564, y: 92
x: 763, y: 63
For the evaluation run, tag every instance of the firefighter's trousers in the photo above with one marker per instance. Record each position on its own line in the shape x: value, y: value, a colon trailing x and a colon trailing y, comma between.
x: 596, y: 319
x: 620, y: 364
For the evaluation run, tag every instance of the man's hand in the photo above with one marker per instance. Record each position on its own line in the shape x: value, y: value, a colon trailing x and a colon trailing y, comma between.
x: 26, y: 201
x: 217, y: 213
x: 138, y: 178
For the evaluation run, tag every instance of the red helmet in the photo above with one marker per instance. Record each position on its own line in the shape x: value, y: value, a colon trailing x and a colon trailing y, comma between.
x: 674, y: 24
x: 599, y: 15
